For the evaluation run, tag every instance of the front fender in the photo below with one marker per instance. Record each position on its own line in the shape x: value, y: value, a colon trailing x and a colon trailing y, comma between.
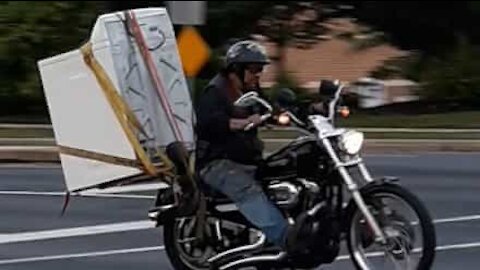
x: 369, y: 188
x: 386, y: 180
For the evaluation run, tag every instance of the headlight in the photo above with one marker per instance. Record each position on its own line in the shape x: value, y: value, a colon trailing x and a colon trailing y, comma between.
x: 351, y: 142
x: 284, y: 119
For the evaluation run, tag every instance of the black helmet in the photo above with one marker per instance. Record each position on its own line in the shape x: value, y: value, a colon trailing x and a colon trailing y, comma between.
x: 246, y: 52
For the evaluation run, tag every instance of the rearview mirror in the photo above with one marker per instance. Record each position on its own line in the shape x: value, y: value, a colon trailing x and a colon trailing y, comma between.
x: 330, y: 92
x: 284, y: 98
x: 328, y: 88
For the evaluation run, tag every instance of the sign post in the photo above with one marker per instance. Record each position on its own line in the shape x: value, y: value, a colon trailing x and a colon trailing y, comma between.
x: 194, y: 51
x: 187, y: 12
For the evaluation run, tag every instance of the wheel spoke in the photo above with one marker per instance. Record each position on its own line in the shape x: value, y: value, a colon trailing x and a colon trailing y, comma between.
x: 401, y: 224
x: 187, y: 240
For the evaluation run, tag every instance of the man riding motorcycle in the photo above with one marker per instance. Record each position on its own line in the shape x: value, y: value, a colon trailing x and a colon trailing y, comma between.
x: 227, y: 155
x: 308, y: 182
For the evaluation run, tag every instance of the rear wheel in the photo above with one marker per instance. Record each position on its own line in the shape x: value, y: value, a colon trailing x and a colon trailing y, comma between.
x: 186, y: 252
x: 183, y: 251
x: 404, y: 221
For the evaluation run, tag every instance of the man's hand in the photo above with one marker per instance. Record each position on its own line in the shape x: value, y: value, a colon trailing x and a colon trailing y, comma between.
x: 256, y: 119
x: 240, y: 124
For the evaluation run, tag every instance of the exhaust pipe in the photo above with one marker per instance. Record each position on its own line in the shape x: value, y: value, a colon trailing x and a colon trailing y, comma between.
x: 254, y: 260
x: 154, y: 213
x: 237, y: 251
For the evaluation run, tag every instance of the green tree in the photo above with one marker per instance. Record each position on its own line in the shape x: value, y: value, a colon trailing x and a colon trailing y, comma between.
x: 429, y: 26
x: 30, y: 31
x: 292, y: 23
x: 287, y: 23
x: 442, y: 37
x: 456, y: 76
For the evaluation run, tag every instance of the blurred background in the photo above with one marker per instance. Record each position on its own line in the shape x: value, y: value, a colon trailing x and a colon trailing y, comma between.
x: 402, y: 59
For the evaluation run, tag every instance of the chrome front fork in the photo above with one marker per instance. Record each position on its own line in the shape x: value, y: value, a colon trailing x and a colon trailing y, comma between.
x: 365, y: 173
x: 353, y: 188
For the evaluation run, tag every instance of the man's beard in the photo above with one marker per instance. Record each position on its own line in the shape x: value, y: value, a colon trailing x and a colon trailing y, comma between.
x: 252, y: 87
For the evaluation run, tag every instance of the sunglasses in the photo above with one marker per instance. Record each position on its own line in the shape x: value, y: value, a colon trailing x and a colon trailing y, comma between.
x: 255, y: 69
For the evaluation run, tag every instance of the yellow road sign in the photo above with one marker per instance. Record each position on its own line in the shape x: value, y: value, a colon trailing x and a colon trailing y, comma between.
x: 194, y: 52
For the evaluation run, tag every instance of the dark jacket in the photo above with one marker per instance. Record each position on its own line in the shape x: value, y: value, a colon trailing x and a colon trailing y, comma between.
x: 215, y: 140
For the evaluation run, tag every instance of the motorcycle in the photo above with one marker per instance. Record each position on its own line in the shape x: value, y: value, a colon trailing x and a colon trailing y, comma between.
x: 322, y: 186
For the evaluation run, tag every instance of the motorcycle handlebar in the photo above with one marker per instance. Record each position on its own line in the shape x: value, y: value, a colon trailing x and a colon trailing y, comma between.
x: 263, y: 118
x: 334, y: 90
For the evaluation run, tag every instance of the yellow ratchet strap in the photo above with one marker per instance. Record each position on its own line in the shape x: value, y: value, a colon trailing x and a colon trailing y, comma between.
x: 124, y: 115
x: 98, y: 156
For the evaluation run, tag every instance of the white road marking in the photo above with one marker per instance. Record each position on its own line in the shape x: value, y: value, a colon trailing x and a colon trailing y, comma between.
x: 79, y: 231
x: 439, y: 248
x: 41, y: 193
x: 36, y: 165
x: 141, y: 225
x: 457, y: 219
x: 127, y: 188
x: 120, y: 227
x: 391, y: 155
x: 119, y: 196
x: 389, y: 129
x: 161, y: 248
x: 26, y: 126
x: 58, y: 193
x: 82, y: 255
x: 459, y: 246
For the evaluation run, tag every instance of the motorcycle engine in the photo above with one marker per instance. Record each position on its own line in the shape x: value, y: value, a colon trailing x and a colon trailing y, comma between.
x: 314, y: 239
x: 287, y: 171
x: 284, y: 194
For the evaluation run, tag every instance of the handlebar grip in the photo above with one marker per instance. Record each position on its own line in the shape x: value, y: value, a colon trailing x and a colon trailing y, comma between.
x: 249, y: 126
x: 263, y: 118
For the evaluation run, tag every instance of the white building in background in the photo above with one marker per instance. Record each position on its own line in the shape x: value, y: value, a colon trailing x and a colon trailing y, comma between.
x: 373, y: 92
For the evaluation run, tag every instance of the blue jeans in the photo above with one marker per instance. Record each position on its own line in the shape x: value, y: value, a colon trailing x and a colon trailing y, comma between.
x: 237, y: 182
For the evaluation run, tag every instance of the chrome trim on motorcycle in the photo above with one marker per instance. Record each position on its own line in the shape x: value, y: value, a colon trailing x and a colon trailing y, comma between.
x: 331, y: 105
x: 351, y: 185
x: 365, y: 173
x: 295, y: 119
x: 380, y: 236
x: 309, y: 185
x: 316, y: 208
x: 153, y: 215
x: 354, y: 162
x: 253, y: 260
x: 155, y: 212
x: 292, y: 190
x: 261, y: 241
x: 331, y: 133
x: 218, y: 232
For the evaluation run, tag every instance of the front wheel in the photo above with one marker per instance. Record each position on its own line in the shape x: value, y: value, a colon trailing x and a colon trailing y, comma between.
x: 406, y: 224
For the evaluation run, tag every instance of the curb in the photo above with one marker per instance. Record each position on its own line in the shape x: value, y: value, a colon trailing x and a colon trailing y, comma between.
x: 49, y: 154
x: 12, y: 154
x: 395, y: 146
x: 415, y: 146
